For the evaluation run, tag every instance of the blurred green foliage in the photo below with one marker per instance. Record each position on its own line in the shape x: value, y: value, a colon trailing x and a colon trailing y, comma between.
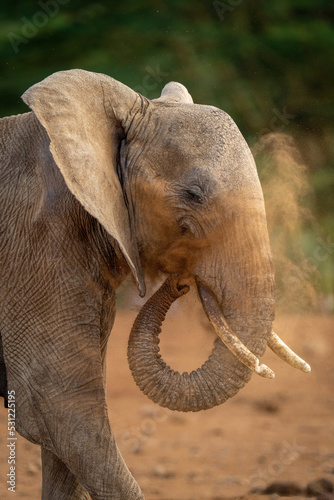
x: 268, y: 64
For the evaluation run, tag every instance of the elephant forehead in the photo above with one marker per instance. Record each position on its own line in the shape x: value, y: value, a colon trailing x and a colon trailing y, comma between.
x: 199, y: 132
x: 195, y: 144
x: 222, y: 151
x: 198, y: 124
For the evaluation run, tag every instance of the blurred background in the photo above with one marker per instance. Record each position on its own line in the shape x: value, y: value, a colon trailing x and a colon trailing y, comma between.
x: 268, y: 64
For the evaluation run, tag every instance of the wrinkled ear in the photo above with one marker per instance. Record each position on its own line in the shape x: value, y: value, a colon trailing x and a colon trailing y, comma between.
x: 85, y: 115
x: 175, y: 92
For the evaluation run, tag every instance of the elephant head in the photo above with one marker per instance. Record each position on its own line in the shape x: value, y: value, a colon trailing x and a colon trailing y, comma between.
x: 175, y: 184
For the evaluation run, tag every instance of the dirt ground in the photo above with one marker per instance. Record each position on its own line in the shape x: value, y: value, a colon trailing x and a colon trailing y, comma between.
x: 272, y: 431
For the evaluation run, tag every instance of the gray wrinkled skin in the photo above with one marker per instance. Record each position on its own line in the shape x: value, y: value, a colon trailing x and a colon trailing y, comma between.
x: 97, y: 182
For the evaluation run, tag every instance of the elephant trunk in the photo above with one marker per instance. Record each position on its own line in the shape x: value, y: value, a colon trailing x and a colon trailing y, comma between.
x: 202, y: 389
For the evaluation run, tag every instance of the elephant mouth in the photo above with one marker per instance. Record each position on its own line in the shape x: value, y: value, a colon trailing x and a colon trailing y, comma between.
x: 209, y: 385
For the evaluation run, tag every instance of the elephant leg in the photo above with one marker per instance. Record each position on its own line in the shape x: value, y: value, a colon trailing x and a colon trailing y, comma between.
x: 59, y: 386
x: 58, y: 482
x: 93, y: 457
x: 72, y: 422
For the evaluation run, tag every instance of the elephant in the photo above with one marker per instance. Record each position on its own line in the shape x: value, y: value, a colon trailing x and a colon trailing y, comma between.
x: 98, y: 183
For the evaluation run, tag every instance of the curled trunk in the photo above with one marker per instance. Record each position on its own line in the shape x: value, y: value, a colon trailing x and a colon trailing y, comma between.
x: 208, y: 386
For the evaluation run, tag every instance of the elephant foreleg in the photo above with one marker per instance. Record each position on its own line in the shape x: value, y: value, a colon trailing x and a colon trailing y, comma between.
x: 58, y: 482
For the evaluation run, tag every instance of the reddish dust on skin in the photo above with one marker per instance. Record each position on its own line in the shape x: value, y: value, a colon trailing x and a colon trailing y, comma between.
x: 170, y: 246
x: 285, y: 186
x: 176, y: 237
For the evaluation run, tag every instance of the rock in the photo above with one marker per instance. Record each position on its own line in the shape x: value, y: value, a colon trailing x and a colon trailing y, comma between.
x: 162, y: 472
x: 319, y: 487
x: 268, y: 405
x: 283, y: 488
x: 326, y: 496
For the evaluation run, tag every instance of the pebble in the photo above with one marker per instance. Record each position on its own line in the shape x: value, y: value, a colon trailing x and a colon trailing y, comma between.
x: 319, y: 487
x: 267, y: 405
x: 162, y: 472
x: 283, y: 488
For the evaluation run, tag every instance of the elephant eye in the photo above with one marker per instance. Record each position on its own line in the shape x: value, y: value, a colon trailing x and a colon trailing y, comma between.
x: 187, y: 228
x: 194, y: 195
x: 184, y: 229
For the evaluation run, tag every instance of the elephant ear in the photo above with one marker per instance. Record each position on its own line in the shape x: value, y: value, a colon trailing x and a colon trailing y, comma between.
x: 85, y: 116
x: 175, y: 92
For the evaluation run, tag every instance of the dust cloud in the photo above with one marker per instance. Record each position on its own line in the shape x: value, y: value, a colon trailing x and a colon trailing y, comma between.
x: 287, y: 192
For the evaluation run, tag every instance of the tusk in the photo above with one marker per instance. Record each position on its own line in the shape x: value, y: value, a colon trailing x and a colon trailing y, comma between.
x: 240, y: 351
x: 284, y: 352
x: 232, y: 342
